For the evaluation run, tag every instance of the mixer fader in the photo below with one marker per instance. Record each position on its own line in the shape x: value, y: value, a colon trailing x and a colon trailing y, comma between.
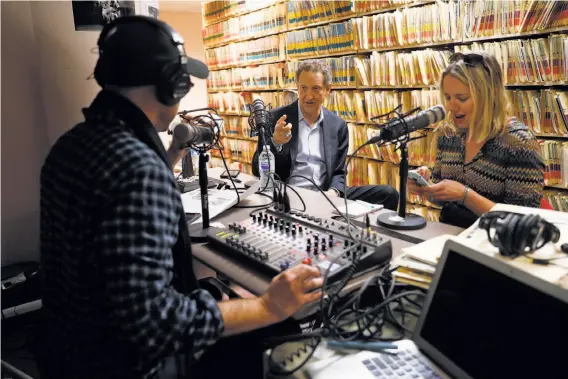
x: 274, y: 241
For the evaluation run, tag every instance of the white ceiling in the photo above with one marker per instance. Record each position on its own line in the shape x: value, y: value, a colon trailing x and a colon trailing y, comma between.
x: 188, y: 6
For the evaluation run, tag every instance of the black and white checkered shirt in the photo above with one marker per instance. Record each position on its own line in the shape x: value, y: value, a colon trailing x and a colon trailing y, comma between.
x: 109, y: 218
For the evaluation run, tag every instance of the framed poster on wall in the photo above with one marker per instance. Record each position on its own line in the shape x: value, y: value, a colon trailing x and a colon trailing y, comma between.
x: 150, y: 8
x: 94, y: 15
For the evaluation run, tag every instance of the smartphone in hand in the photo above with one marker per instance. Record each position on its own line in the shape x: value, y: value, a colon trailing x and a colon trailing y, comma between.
x: 419, y: 179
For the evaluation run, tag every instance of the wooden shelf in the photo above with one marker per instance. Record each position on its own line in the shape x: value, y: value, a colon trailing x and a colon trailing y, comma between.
x: 244, y: 39
x: 238, y: 14
x: 540, y: 135
x: 241, y: 138
x: 556, y: 186
x: 542, y: 84
x: 424, y: 45
x: 289, y: 28
x: 245, y: 64
x: 504, y: 37
x: 401, y: 87
x: 394, y: 8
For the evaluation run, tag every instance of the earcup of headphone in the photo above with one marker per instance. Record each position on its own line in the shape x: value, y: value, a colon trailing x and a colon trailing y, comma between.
x: 101, y: 72
x: 506, y: 233
x: 171, y: 85
x: 521, y: 235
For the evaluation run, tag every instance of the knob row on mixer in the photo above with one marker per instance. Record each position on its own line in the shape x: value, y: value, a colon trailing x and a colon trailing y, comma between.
x: 237, y: 228
x: 247, y: 248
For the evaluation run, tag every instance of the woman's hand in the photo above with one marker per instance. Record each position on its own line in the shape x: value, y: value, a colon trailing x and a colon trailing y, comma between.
x: 446, y: 190
x: 415, y: 188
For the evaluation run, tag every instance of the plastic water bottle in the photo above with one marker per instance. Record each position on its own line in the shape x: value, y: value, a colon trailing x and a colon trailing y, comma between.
x: 266, y: 164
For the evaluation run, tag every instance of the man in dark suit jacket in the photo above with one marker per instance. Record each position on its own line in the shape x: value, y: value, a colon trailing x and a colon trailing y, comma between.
x: 312, y: 142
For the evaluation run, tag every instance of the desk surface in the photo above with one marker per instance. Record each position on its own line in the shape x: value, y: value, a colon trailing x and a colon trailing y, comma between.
x: 241, y: 273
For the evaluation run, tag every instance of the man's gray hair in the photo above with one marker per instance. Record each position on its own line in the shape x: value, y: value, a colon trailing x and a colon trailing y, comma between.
x: 315, y: 65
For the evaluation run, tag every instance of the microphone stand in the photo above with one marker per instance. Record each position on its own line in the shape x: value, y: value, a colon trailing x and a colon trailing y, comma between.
x: 402, y: 220
x: 199, y: 233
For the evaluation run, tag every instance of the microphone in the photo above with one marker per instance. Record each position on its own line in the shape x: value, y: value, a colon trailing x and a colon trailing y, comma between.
x: 260, y: 118
x: 395, y: 128
x: 189, y: 134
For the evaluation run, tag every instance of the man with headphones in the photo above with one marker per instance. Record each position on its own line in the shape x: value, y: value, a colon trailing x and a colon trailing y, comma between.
x: 120, y: 295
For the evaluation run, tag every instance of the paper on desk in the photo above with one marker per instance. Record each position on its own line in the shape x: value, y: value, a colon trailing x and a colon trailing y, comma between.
x: 427, y: 252
x: 219, y: 201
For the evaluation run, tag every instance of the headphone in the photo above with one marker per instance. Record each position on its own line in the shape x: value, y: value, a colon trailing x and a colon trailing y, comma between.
x: 517, y: 234
x: 173, y: 80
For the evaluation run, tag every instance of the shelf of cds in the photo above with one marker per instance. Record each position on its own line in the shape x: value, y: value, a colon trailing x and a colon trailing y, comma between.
x: 384, y: 54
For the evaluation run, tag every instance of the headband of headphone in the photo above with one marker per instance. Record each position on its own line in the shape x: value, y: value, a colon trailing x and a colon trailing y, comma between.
x: 171, y: 78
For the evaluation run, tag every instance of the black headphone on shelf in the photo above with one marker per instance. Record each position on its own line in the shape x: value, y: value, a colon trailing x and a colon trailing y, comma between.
x: 173, y: 78
x: 516, y: 234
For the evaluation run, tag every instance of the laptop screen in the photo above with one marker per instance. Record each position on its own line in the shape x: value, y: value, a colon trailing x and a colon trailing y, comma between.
x: 493, y: 326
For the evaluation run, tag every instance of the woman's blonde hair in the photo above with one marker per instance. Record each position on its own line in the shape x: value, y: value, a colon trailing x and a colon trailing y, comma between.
x: 482, y: 73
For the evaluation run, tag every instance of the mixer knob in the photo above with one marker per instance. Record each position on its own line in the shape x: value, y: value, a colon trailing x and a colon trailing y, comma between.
x: 307, y: 261
x: 253, y: 218
x: 300, y: 229
x: 284, y: 265
x: 309, y: 241
x: 263, y: 255
x: 323, y: 248
x: 293, y: 232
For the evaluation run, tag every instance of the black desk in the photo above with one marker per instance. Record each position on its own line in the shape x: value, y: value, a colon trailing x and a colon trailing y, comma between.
x: 256, y: 283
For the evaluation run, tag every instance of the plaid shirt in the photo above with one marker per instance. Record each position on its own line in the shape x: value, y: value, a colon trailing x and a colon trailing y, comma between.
x: 109, y: 219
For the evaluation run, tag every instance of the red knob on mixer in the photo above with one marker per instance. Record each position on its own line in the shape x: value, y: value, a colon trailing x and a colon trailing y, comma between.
x: 307, y: 261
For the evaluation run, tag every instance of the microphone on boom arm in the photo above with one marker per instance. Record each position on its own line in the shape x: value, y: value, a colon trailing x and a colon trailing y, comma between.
x: 260, y: 120
x: 401, y: 127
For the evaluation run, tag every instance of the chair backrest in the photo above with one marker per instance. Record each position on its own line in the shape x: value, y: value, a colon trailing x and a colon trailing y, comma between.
x: 544, y: 204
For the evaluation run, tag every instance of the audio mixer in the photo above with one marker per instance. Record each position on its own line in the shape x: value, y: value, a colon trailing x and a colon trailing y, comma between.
x: 274, y: 241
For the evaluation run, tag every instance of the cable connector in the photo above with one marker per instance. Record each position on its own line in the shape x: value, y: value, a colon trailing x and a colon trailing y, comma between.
x: 276, y: 199
x: 286, y: 202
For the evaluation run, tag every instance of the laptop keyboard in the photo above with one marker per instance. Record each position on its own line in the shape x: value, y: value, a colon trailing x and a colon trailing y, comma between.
x: 403, y: 364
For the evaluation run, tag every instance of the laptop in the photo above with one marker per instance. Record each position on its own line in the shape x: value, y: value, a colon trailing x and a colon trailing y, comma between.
x: 482, y: 318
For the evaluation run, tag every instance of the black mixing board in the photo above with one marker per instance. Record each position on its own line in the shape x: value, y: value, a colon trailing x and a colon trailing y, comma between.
x: 274, y: 241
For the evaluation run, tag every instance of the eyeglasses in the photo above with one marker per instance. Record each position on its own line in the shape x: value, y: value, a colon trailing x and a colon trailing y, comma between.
x: 471, y: 59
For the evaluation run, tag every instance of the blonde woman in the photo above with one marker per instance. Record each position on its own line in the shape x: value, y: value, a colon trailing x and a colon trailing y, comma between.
x: 484, y: 155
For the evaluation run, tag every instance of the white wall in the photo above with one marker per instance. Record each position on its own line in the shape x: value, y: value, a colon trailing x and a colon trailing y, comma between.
x: 188, y: 25
x: 66, y: 59
x: 24, y: 134
x: 45, y: 66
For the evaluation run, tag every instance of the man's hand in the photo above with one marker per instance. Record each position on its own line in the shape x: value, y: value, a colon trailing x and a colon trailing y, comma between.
x: 282, y: 131
x: 288, y: 291
x: 446, y: 190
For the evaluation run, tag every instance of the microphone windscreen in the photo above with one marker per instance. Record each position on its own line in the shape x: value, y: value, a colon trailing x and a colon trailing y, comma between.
x: 181, y: 132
